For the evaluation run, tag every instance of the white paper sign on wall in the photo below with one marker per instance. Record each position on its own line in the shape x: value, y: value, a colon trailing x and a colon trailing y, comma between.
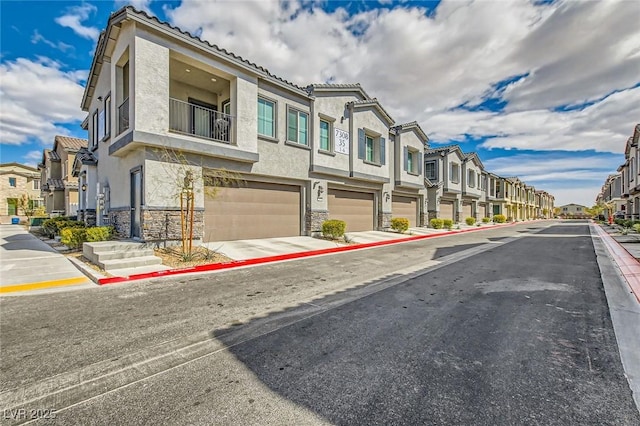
x: 341, y: 141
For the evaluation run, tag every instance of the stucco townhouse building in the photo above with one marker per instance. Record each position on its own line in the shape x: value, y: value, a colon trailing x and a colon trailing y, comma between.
x: 161, y: 102
x: 630, y: 176
x: 59, y: 187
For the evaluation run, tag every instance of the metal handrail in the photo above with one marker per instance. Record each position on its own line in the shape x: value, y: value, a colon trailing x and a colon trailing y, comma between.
x: 199, y: 121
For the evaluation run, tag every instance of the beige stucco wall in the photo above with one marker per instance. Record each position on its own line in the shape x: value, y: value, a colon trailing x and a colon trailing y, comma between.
x: 162, y: 182
x: 332, y: 108
x: 151, y: 86
x: 474, y: 190
x: 409, y: 139
x: 450, y: 158
x: 24, y: 185
x: 371, y: 121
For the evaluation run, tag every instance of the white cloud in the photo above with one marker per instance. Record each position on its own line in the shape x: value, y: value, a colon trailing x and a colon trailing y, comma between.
x: 37, y: 98
x: 74, y: 17
x: 32, y: 158
x: 39, y: 38
x: 138, y: 4
x: 423, y: 67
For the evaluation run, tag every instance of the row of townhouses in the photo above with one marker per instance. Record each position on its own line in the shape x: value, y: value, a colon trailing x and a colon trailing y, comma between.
x: 621, y: 191
x: 161, y: 103
x: 16, y: 181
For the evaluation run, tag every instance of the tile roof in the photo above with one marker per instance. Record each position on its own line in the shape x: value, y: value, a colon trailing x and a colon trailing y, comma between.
x: 410, y: 125
x: 441, y: 149
x: 55, y: 183
x: 53, y: 156
x: 374, y: 103
x: 69, y: 143
x: 86, y: 157
x: 337, y: 86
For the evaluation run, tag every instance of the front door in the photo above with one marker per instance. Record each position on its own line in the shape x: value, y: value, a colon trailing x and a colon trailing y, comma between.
x: 136, y: 202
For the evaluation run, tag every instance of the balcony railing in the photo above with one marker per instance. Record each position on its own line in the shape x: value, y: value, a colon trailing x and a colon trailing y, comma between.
x: 123, y: 116
x: 196, y: 120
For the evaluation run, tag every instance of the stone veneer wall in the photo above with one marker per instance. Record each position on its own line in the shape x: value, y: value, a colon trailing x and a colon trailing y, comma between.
x: 165, y: 225
x: 88, y: 217
x: 424, y: 219
x: 121, y: 222
x: 157, y: 225
x: 384, y: 220
x: 314, y: 220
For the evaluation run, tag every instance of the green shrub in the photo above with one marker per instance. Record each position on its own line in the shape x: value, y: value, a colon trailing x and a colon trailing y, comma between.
x: 400, y: 224
x: 447, y: 223
x: 636, y: 227
x: 53, y: 226
x: 99, y: 233
x: 628, y: 223
x: 486, y: 219
x: 499, y: 218
x: 436, y: 223
x: 73, y: 237
x: 333, y: 228
x: 470, y: 221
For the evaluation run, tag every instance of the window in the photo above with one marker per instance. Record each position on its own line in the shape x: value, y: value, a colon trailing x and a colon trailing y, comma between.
x: 430, y: 170
x: 107, y: 116
x: 226, y: 107
x: 471, y: 178
x: 455, y: 172
x: 297, y: 130
x: 94, y: 135
x: 325, y: 135
x: 36, y: 184
x: 101, y: 126
x: 412, y: 161
x: 371, y: 148
x: 266, y: 118
x: 12, y: 182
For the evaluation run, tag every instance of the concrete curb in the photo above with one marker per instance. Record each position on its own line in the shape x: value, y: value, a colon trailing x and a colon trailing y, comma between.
x: 284, y: 257
x: 89, y: 272
x: 628, y: 265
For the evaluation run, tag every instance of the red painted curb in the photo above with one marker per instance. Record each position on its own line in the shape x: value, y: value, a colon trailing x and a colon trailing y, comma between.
x: 629, y: 265
x: 278, y: 258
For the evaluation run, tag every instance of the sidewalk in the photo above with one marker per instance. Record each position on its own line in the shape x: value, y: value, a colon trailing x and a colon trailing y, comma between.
x: 28, y: 264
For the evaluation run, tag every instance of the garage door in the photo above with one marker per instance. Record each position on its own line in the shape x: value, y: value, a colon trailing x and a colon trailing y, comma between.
x: 483, y: 211
x: 405, y: 207
x: 252, y: 210
x: 446, y: 210
x: 355, y: 208
x: 466, y: 211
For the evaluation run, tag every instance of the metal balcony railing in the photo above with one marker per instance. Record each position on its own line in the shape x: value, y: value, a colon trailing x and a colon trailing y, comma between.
x: 123, y: 116
x: 196, y: 120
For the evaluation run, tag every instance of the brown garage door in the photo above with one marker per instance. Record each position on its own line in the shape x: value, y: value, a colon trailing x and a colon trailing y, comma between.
x: 483, y: 211
x: 355, y: 208
x: 446, y: 209
x: 405, y: 207
x: 252, y: 210
x: 466, y: 211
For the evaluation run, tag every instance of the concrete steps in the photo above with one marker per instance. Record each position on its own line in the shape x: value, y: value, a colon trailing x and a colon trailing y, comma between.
x: 115, y: 255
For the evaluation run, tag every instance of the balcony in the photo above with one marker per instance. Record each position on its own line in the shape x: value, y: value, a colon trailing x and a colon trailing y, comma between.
x: 195, y: 120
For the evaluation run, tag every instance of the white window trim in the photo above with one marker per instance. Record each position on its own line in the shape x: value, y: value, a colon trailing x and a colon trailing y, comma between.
x: 435, y: 170
x: 331, y: 135
x: 275, y: 119
x: 456, y: 178
x: 298, y: 111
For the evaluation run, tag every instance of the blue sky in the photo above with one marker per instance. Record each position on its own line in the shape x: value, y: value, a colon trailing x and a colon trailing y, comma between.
x: 526, y: 84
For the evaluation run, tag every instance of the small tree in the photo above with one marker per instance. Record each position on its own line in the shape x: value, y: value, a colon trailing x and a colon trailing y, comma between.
x: 26, y: 204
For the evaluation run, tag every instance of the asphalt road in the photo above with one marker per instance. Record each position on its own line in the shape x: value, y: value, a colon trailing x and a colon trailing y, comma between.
x: 509, y: 326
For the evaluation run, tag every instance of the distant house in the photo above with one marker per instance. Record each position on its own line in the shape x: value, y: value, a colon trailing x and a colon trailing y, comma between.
x: 59, y: 186
x: 15, y: 181
x: 574, y: 211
